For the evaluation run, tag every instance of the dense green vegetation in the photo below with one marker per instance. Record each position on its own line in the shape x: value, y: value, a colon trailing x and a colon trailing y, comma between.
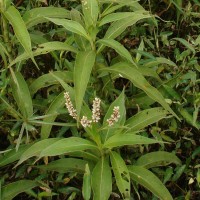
x: 99, y: 99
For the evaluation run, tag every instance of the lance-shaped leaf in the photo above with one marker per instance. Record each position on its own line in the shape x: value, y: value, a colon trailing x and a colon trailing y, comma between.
x: 102, y: 180
x: 121, y: 173
x: 71, y: 25
x: 19, y: 27
x: 67, y: 145
x: 139, y: 81
x: 37, y: 15
x: 21, y: 94
x: 150, y: 181
x: 82, y: 70
x: 91, y: 12
x: 119, y: 140
x: 119, y: 48
x: 158, y: 158
x: 119, y: 26
x: 44, y: 49
x: 86, y: 189
x: 145, y: 118
x: 13, y: 189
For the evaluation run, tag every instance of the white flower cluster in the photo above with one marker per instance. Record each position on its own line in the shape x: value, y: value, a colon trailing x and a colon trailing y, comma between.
x: 96, y: 112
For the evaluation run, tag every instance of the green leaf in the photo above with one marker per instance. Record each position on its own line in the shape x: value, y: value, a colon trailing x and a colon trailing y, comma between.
x: 21, y: 94
x: 90, y: 11
x: 13, y: 189
x: 139, y: 81
x: 13, y: 155
x: 186, y: 44
x: 44, y: 49
x: 19, y: 27
x: 37, y: 15
x: 116, y: 17
x: 120, y: 101
x: 119, y: 48
x: 86, y: 189
x: 48, y: 80
x: 145, y: 118
x: 147, y: 179
x: 68, y: 145
x: 36, y: 148
x: 159, y: 158
x: 119, y: 26
x: 72, y: 26
x: 119, y: 140
x: 102, y: 180
x: 82, y: 70
x: 65, y: 165
x: 121, y: 173
x: 52, y: 111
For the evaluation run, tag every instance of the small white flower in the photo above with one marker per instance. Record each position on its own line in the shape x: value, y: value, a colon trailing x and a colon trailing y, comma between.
x: 85, y: 122
x: 114, y: 117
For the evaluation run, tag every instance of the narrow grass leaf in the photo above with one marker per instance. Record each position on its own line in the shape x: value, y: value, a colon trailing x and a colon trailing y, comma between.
x: 150, y: 181
x: 82, y: 70
x: 121, y: 173
x: 102, y: 180
x: 159, y: 158
x: 186, y: 44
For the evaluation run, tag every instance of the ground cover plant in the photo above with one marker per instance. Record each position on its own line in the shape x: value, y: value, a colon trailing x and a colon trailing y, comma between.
x: 99, y: 99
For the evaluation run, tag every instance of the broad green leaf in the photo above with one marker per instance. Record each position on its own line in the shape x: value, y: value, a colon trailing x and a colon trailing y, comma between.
x: 102, y: 180
x: 119, y: 26
x: 65, y: 165
x: 37, y: 15
x: 86, y: 189
x: 159, y: 60
x: 36, y: 148
x: 44, y: 49
x: 82, y: 70
x: 119, y: 48
x: 68, y: 145
x: 90, y: 11
x: 116, y: 17
x: 121, y: 173
x: 19, y: 27
x: 47, y: 80
x: 13, y: 155
x: 145, y: 118
x: 21, y: 94
x: 119, y: 140
x: 139, y: 81
x: 147, y: 179
x: 186, y: 44
x: 13, y: 189
x: 52, y: 111
x: 159, y: 158
x: 72, y: 26
x: 120, y: 101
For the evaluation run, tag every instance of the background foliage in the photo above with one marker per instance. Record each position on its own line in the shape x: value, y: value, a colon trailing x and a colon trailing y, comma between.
x: 142, y: 56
